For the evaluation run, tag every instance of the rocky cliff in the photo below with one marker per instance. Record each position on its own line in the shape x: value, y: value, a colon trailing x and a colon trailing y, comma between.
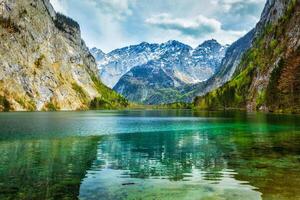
x: 268, y: 76
x: 45, y: 65
x: 224, y: 73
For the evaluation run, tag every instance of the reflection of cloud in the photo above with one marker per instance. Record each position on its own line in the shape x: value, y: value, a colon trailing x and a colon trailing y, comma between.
x: 197, y: 26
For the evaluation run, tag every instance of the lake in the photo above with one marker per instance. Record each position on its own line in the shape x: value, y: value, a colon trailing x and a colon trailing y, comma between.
x: 160, y: 154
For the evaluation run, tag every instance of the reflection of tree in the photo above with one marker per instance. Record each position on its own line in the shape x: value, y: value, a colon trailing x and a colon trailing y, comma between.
x: 44, y: 169
x: 260, y: 149
x: 270, y: 162
x: 172, y: 155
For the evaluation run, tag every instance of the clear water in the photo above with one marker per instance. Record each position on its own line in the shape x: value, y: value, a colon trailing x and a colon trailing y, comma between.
x: 149, y: 155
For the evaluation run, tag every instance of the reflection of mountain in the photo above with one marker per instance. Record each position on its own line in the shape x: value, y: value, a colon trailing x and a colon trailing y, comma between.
x: 218, y: 163
x: 44, y: 169
x: 232, y: 156
x: 173, y: 163
x: 170, y: 154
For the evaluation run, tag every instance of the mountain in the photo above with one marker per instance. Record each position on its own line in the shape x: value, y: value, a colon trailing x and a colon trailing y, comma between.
x: 45, y: 65
x: 151, y: 73
x: 194, y: 65
x: 233, y: 56
x: 114, y: 65
x: 268, y: 76
x: 98, y: 54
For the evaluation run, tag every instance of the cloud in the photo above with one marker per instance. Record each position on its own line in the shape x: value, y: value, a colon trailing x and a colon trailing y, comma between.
x: 119, y: 9
x: 100, y: 20
x: 239, y: 14
x: 241, y: 7
x: 197, y: 27
x: 110, y: 24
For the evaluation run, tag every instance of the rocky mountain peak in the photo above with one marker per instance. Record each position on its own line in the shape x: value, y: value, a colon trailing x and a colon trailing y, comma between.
x: 172, y: 55
x: 178, y: 64
x: 210, y: 44
x: 174, y: 44
x: 98, y: 53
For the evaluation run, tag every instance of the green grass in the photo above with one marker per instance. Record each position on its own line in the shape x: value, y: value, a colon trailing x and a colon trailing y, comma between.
x: 109, y: 99
x: 51, y: 106
x: 80, y: 92
x: 28, y: 105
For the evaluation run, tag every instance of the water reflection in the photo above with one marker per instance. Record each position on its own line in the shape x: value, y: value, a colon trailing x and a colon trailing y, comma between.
x: 44, y: 169
x: 184, y: 156
x: 206, y: 164
x: 164, y: 163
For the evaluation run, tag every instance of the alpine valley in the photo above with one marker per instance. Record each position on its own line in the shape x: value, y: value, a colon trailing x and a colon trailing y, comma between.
x: 156, y: 73
x: 260, y: 71
x: 164, y: 120
x: 53, y: 69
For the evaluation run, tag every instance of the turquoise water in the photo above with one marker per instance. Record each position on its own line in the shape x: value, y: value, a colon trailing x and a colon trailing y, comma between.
x: 149, y: 155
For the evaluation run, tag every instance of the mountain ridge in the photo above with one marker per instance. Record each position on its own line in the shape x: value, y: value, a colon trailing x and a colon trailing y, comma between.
x: 177, y: 62
x: 267, y: 78
x: 114, y: 56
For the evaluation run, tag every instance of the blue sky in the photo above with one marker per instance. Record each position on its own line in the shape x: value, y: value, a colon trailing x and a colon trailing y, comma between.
x: 111, y: 24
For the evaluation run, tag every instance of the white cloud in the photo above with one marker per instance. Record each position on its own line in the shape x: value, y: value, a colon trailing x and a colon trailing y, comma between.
x: 110, y: 24
x: 119, y: 9
x: 198, y: 26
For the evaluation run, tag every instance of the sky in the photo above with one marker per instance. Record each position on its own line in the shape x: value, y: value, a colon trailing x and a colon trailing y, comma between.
x: 111, y: 24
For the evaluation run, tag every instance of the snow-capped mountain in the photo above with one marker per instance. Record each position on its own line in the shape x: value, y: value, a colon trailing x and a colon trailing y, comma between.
x: 189, y: 65
x: 98, y: 54
x: 114, y: 65
x: 139, y: 71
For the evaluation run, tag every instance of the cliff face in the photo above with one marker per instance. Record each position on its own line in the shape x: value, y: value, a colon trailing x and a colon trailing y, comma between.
x: 267, y: 77
x: 275, y: 85
x: 45, y: 65
x: 230, y: 62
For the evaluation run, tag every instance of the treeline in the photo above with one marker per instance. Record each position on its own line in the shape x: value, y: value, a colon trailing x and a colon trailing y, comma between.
x: 61, y: 20
x: 177, y: 105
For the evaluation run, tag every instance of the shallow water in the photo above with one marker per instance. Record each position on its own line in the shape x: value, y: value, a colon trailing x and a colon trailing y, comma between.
x: 149, y: 155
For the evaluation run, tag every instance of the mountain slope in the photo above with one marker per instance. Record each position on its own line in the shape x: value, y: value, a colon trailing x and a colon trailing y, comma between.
x: 114, y: 65
x: 45, y: 64
x: 173, y: 65
x: 268, y: 76
x: 226, y: 69
x: 194, y: 65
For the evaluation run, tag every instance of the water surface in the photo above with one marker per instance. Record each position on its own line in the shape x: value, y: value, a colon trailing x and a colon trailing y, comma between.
x: 149, y: 155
